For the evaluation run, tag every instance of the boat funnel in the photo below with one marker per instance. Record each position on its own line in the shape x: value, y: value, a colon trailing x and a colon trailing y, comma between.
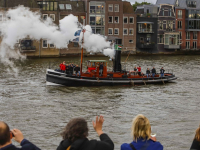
x: 117, y: 61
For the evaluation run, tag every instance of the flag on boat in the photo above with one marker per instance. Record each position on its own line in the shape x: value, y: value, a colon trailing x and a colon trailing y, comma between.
x: 77, y: 33
x: 118, y: 47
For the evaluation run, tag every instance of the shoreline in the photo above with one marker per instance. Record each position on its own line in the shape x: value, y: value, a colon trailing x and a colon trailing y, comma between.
x: 191, y: 52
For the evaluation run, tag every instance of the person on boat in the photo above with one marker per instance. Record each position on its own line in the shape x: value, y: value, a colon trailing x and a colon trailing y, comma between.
x: 63, y: 67
x: 135, y: 70
x: 67, y: 69
x: 148, y: 72
x: 101, y: 69
x: 71, y: 68
x: 162, y: 71
x: 142, y: 139
x: 139, y: 70
x: 153, y: 71
x: 77, y: 70
x: 76, y: 132
x: 196, y: 141
x: 6, y: 135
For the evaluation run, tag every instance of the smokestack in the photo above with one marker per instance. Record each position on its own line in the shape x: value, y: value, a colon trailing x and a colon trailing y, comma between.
x: 117, y: 62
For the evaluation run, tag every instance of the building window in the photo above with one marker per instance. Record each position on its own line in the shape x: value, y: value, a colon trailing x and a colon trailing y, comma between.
x: 51, y: 45
x: 125, y: 19
x: 45, y: 16
x: 116, y: 31
x: 130, y: 41
x: 97, y: 7
x: 52, y: 6
x: 195, y: 35
x: 148, y: 38
x: 82, y: 19
x: 194, y: 45
x: 116, y: 8
x: 180, y: 14
x: 187, y: 35
x: 169, y: 25
x: 68, y: 6
x: 110, y: 31
x: 97, y: 20
x: 147, y: 11
x: 130, y: 31
x: 163, y: 12
x: 110, y: 8
x: 141, y: 40
x: 179, y: 24
x: 131, y: 20
x: 125, y: 31
x: 187, y: 45
x: 44, y: 44
x: 191, y: 4
x: 61, y: 6
x: 161, y: 39
x: 180, y: 35
x: 161, y: 25
x: 116, y: 19
x: 170, y: 12
x: 52, y: 16
x: 98, y: 30
x: 110, y: 19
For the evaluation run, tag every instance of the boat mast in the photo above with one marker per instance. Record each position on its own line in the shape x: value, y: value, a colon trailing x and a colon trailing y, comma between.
x: 82, y: 47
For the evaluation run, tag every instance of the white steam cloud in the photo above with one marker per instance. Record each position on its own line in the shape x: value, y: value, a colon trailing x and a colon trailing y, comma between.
x: 25, y: 23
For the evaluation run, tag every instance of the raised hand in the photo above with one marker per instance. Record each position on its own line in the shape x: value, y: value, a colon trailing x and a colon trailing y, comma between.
x: 18, y: 136
x: 98, y: 125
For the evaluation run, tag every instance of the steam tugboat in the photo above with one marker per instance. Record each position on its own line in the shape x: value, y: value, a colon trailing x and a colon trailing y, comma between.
x: 93, y: 77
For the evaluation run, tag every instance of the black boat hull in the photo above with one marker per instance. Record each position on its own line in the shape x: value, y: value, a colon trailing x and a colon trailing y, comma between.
x: 57, y: 78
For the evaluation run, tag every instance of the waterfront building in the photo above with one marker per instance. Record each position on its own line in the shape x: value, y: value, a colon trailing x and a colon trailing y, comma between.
x: 168, y: 36
x: 147, y: 25
x: 188, y: 23
x: 110, y: 18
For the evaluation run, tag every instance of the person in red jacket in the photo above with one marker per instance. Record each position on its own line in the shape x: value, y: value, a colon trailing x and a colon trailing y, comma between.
x: 139, y: 70
x: 63, y: 67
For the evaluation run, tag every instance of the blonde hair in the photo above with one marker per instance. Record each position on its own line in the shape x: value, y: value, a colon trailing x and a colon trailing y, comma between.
x: 197, y: 135
x: 140, y: 127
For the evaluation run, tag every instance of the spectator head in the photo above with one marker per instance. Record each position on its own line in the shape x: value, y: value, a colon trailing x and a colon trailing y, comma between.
x: 140, y: 128
x: 76, y: 129
x: 197, y: 135
x: 4, y: 133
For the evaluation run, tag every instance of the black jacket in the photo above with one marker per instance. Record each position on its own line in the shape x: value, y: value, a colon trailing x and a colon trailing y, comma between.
x: 26, y: 145
x: 148, y: 72
x: 195, y: 145
x: 153, y: 70
x: 162, y: 70
x: 77, y: 69
x: 84, y: 144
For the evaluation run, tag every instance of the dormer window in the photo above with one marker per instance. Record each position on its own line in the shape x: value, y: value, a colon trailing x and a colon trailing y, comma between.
x: 68, y: 6
x: 191, y: 4
x: 61, y: 6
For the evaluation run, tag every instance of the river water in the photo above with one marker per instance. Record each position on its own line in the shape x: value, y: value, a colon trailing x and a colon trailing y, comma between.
x: 41, y: 111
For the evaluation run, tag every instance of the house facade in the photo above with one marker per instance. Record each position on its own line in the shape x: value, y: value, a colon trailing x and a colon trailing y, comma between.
x: 188, y: 23
x: 147, y: 24
x: 168, y: 37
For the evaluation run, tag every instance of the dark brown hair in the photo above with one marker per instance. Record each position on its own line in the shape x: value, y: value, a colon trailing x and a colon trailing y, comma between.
x: 4, y: 133
x: 197, y: 135
x: 76, y: 129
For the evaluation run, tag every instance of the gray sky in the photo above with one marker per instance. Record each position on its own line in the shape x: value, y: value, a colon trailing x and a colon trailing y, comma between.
x: 150, y: 1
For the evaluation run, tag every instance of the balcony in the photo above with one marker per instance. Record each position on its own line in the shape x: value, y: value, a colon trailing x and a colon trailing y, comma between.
x: 146, y: 45
x: 145, y: 27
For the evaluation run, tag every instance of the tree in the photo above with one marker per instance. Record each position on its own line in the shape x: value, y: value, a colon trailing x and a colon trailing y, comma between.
x: 139, y: 4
